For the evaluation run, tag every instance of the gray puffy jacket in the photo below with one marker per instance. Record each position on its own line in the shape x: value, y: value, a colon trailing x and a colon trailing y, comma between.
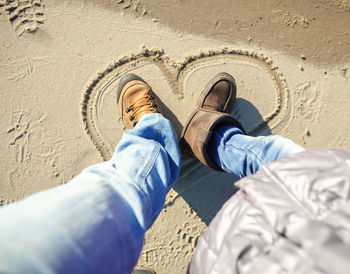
x: 293, y: 216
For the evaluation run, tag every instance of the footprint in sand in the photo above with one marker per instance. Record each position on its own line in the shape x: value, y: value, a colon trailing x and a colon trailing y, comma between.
x: 24, y: 15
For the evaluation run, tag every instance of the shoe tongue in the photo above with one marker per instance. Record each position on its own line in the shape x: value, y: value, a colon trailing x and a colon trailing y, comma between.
x: 142, y: 106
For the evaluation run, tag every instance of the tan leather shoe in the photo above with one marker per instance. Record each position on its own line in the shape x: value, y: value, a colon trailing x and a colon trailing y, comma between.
x: 212, y: 108
x: 135, y: 98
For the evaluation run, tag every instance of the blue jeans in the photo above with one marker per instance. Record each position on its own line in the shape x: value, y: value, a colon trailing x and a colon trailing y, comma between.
x: 243, y: 155
x: 96, y: 222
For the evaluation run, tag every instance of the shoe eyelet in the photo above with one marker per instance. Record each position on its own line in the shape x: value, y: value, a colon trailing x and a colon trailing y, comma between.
x: 127, y: 110
x: 154, y: 105
x: 131, y: 117
x: 150, y: 97
x: 134, y: 124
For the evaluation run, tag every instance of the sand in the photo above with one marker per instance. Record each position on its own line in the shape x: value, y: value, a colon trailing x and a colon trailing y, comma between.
x: 61, y: 60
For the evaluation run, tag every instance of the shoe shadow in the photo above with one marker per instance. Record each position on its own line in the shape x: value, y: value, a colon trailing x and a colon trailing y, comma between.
x: 167, y: 113
x: 206, y: 190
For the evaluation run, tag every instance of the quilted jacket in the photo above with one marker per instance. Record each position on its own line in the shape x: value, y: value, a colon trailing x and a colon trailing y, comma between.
x: 293, y: 216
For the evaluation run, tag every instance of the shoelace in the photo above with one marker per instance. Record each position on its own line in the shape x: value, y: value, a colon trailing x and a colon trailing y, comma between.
x: 142, y: 104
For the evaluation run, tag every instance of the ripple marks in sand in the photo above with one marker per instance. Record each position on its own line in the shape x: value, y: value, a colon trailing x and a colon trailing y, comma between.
x: 24, y: 15
x: 175, y: 74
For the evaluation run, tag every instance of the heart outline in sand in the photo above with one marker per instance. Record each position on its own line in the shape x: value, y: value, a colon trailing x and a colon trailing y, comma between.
x: 174, y: 73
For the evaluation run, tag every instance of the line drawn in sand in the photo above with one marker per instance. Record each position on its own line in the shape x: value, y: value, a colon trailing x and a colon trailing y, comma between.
x: 16, y: 67
x: 175, y: 74
x: 24, y: 15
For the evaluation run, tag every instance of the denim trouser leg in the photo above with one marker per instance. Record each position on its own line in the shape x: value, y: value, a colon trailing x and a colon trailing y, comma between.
x: 243, y: 155
x: 96, y: 222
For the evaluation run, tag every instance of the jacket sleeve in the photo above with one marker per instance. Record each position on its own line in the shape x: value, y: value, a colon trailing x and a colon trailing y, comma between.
x: 295, y: 218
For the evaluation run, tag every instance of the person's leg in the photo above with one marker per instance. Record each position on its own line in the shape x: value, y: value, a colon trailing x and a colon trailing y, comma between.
x: 227, y: 148
x: 243, y: 155
x: 96, y: 222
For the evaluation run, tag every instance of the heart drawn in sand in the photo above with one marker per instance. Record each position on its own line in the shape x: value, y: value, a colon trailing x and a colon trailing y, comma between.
x: 262, y: 104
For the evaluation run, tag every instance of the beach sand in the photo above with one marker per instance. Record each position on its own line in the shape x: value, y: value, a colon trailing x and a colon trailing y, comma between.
x: 61, y: 60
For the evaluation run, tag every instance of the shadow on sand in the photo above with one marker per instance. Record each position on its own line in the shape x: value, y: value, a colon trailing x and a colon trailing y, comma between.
x: 206, y: 190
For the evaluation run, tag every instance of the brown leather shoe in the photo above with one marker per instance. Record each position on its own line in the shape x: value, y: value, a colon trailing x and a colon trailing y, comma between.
x: 135, y: 98
x: 219, y: 94
x: 212, y: 108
